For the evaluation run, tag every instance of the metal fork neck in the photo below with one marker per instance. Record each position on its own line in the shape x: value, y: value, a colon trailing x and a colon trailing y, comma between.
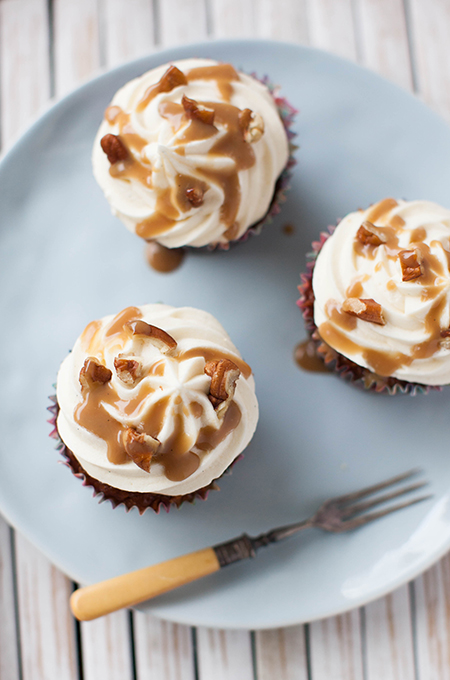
x: 244, y: 546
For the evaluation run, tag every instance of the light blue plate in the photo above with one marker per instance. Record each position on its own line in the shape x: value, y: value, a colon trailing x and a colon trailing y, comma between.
x: 66, y: 260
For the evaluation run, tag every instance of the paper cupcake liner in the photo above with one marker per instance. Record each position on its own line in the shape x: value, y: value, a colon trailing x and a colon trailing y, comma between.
x: 338, y: 363
x: 129, y: 499
x: 287, y: 114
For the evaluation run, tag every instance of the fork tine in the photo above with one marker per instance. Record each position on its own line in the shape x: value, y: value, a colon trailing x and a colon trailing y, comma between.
x: 361, y: 507
x: 369, y: 490
x: 365, y: 519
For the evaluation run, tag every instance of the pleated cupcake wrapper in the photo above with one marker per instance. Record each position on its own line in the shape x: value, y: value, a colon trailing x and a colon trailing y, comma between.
x: 129, y: 499
x: 337, y: 363
x: 287, y: 114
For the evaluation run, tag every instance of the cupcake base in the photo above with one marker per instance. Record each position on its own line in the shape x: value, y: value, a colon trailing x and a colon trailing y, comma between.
x: 130, y: 499
x: 338, y: 363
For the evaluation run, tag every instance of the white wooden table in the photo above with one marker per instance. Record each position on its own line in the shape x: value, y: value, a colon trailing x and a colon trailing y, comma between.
x: 47, y: 48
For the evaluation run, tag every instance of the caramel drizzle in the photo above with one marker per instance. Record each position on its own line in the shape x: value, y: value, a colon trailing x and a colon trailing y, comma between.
x: 163, y: 259
x: 433, y: 279
x: 176, y: 455
x: 223, y: 74
x: 306, y: 357
x: 171, y: 204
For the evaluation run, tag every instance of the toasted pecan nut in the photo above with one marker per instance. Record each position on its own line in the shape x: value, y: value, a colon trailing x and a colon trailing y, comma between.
x: 244, y: 117
x: 128, y: 369
x: 410, y: 261
x: 172, y: 78
x: 194, y: 111
x: 445, y: 335
x: 158, y: 337
x: 252, y: 125
x: 140, y: 447
x: 224, y: 374
x: 369, y: 234
x: 94, y: 374
x: 114, y: 148
x: 365, y: 309
x: 195, y: 196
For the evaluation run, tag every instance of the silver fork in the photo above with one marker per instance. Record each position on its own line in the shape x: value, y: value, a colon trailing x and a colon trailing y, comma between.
x: 336, y: 515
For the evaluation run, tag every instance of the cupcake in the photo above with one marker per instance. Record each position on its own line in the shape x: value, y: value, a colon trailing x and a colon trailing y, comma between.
x: 376, y: 300
x: 193, y: 154
x: 153, y: 405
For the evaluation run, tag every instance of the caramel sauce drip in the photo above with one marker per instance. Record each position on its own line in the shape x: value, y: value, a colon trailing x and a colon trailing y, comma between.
x: 176, y: 457
x: 232, y: 144
x: 338, y: 317
x: 93, y: 337
x: 131, y: 167
x: 91, y: 415
x: 196, y: 409
x: 152, y: 422
x: 305, y: 356
x: 381, y: 209
x: 163, y: 259
x: 397, y: 222
x: 112, y: 114
x: 174, y: 113
x: 334, y: 337
x: 154, y: 226
x: 209, y: 438
x: 223, y: 74
x: 124, y: 317
x: 197, y: 130
x: 385, y: 363
x: 88, y: 336
x: 432, y: 270
x: 356, y: 288
x: 164, y: 217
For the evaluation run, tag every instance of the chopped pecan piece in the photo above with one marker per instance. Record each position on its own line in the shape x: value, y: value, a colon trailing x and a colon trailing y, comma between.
x: 172, y: 78
x: 368, y: 234
x: 140, y: 447
x: 252, y: 125
x: 224, y: 374
x: 410, y: 261
x: 195, y: 196
x: 128, y: 369
x: 114, y: 148
x: 160, y: 338
x: 93, y: 373
x: 245, y: 116
x: 445, y: 335
x: 365, y: 309
x: 193, y: 110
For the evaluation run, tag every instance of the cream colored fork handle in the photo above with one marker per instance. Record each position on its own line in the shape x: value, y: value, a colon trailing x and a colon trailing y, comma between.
x: 137, y: 586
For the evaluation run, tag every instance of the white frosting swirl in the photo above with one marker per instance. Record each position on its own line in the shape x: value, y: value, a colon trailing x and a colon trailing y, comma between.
x: 133, y: 202
x: 181, y: 383
x: 411, y: 345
